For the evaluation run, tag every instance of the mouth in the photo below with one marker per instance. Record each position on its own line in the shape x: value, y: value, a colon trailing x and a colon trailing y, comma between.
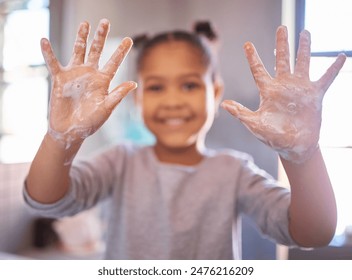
x: 173, y: 122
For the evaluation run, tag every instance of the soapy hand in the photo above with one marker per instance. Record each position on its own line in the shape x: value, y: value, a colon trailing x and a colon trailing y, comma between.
x: 80, y: 100
x: 289, y: 116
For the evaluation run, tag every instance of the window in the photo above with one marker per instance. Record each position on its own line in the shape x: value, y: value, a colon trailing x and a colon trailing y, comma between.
x: 329, y: 24
x: 24, y: 84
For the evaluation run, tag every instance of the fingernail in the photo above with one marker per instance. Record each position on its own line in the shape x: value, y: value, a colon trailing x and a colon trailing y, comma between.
x: 133, y: 84
x: 247, y: 45
x: 44, y: 41
x: 127, y: 40
x: 226, y: 105
x: 104, y: 21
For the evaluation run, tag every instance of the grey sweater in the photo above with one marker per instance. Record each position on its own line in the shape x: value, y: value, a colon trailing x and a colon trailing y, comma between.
x: 166, y: 211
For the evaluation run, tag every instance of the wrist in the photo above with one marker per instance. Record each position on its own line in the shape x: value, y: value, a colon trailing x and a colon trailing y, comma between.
x: 299, y: 158
x: 64, y: 151
x: 64, y: 141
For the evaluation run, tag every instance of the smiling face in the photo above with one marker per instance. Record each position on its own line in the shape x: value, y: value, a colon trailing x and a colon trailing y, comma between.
x: 177, y: 95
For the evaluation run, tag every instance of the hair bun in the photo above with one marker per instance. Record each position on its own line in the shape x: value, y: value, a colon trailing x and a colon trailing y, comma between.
x: 140, y: 40
x: 204, y: 28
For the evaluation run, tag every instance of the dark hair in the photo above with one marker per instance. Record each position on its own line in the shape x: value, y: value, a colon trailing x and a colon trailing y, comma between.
x: 202, y: 38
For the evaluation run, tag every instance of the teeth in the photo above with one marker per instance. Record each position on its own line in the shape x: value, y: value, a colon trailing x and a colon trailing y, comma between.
x: 174, y: 122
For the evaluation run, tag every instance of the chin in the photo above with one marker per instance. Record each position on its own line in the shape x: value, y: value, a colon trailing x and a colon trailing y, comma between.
x: 176, y: 144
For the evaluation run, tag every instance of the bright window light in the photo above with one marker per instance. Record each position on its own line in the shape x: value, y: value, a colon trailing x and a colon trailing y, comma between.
x: 330, y: 24
x: 24, y: 90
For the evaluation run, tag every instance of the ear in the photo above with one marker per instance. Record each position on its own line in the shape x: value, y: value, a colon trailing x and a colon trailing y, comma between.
x: 218, y: 93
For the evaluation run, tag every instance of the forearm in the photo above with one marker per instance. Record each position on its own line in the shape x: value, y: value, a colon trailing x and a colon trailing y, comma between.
x: 48, y: 178
x: 313, y: 213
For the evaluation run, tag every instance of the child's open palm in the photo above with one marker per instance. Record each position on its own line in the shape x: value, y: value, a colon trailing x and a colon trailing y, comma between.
x: 80, y: 101
x: 289, y: 115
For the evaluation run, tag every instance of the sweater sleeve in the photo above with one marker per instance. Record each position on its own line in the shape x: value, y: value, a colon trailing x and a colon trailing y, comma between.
x: 265, y: 202
x: 91, y: 181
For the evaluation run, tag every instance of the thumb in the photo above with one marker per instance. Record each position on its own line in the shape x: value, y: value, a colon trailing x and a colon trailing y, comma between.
x: 326, y: 80
x: 118, y: 93
x: 246, y: 116
x: 238, y: 110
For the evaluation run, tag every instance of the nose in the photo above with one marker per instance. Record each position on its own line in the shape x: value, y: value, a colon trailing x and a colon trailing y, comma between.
x: 173, y: 99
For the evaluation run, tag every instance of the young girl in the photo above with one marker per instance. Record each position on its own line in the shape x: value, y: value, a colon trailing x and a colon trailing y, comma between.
x: 177, y: 199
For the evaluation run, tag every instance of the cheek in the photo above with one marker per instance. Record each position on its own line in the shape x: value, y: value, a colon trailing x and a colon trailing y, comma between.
x: 148, y: 108
x: 204, y: 104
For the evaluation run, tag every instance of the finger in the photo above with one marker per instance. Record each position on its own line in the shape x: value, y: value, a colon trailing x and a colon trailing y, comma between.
x: 282, y: 52
x: 98, y: 43
x: 258, y: 70
x: 238, y: 110
x: 248, y: 118
x: 117, y: 94
x: 49, y: 57
x: 303, y: 55
x: 326, y: 80
x: 118, y: 56
x: 79, y: 48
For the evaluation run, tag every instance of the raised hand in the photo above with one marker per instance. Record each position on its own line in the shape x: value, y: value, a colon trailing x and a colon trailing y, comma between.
x: 80, y: 100
x: 289, y: 116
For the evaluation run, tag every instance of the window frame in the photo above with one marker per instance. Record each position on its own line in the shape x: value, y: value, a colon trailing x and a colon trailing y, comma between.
x: 300, y: 12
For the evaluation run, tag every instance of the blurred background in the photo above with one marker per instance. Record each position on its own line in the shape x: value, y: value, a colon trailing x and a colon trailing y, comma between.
x: 25, y: 85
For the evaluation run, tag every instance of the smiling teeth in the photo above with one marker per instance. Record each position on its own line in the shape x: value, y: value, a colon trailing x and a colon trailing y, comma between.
x: 174, y: 122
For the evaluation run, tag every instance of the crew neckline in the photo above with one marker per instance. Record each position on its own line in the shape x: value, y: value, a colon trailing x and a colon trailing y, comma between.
x: 206, y: 155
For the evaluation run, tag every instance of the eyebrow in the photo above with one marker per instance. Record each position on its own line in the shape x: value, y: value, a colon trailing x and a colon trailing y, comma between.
x: 188, y: 75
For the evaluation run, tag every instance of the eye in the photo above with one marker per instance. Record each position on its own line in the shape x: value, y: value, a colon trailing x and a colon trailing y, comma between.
x: 155, y: 88
x: 190, y: 86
